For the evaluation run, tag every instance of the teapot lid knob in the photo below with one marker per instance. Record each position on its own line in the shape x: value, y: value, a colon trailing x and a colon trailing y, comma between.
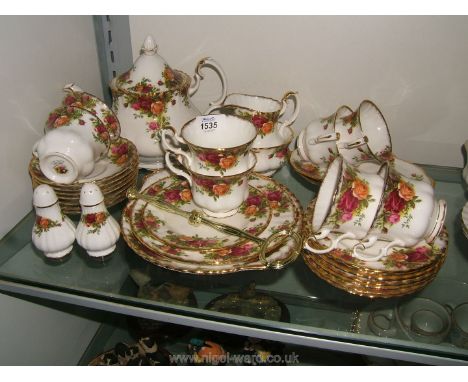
x: 149, y: 46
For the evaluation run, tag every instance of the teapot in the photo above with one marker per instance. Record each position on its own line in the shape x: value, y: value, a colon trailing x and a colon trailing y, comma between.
x: 151, y: 96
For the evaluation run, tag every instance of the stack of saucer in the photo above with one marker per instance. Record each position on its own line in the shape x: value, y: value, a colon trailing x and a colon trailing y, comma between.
x: 402, y: 271
x: 114, y: 175
x: 170, y: 240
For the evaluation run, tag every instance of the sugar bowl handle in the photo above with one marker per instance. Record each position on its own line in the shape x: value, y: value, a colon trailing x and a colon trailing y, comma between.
x: 197, y: 77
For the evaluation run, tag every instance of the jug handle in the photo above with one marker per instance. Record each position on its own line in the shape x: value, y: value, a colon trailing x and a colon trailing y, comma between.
x: 197, y: 77
x: 297, y: 106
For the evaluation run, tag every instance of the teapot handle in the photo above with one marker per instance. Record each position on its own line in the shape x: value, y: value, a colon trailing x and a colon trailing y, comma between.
x: 297, y: 106
x: 197, y: 77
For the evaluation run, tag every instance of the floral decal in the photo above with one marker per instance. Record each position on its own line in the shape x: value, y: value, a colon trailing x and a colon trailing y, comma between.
x: 308, y: 169
x: 235, y: 251
x: 362, y: 156
x: 66, y: 115
x: 195, y: 241
x: 264, y: 122
x: 60, y: 169
x: 353, y: 199
x: 386, y: 154
x: 399, y: 200
x: 81, y: 100
x: 217, y: 160
x: 150, y: 101
x: 281, y: 152
x: 330, y: 158
x: 118, y: 152
x: 277, y: 201
x: 255, y: 206
x: 409, y: 258
x: 216, y: 188
x: 327, y: 121
x: 351, y: 120
x: 177, y: 195
x: 95, y: 221
x: 44, y: 224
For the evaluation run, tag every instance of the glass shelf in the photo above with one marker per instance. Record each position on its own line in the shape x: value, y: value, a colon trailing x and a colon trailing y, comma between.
x: 321, y: 316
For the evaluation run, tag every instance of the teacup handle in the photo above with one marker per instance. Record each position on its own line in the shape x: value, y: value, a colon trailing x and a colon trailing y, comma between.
x: 332, y: 246
x: 175, y: 170
x: 197, y: 77
x: 34, y: 150
x: 297, y: 106
x: 324, y: 138
x: 382, y: 252
x: 168, y: 146
x: 357, y: 143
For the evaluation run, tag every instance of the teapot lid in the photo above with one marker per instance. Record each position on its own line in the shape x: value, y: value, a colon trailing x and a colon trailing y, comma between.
x: 150, y: 73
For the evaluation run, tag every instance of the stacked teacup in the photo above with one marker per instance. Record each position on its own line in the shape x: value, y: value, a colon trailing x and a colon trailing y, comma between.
x: 364, y: 197
x: 273, y: 136
x: 217, y: 163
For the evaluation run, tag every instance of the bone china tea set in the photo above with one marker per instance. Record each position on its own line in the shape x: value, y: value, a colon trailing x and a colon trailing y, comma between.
x: 209, y: 204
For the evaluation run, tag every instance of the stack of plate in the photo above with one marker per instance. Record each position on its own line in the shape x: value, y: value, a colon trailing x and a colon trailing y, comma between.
x: 402, y: 271
x: 170, y: 241
x: 114, y: 175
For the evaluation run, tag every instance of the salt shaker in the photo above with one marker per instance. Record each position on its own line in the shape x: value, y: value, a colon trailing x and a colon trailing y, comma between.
x: 97, y: 231
x: 53, y: 233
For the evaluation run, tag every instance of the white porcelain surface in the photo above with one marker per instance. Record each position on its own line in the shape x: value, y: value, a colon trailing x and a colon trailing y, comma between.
x: 364, y: 135
x: 218, y: 196
x: 52, y: 233
x: 218, y: 144
x: 271, y: 159
x: 64, y: 156
x: 347, y: 203
x: 97, y: 231
x: 152, y: 96
x: 265, y: 113
x: 317, y: 142
x: 408, y: 214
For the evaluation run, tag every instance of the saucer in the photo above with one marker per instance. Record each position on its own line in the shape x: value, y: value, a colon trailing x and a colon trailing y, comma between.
x: 307, y: 169
x: 398, y: 260
x: 315, y: 174
x: 286, y: 213
x: 114, y: 175
x: 176, y: 231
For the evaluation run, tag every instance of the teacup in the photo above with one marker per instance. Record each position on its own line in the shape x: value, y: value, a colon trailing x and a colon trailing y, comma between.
x: 219, y: 196
x: 85, y: 124
x: 218, y: 144
x: 408, y: 214
x: 347, y: 203
x: 317, y: 142
x: 271, y: 159
x: 364, y: 135
x: 424, y: 320
x: 459, y: 333
x: 264, y: 113
x: 64, y: 156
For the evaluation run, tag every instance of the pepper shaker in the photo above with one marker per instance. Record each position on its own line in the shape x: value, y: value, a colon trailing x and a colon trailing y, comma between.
x: 97, y: 231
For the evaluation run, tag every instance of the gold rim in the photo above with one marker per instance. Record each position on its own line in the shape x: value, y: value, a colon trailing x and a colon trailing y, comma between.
x: 141, y: 250
x: 361, y: 268
x: 230, y: 105
x: 301, y: 172
x: 222, y: 149
x: 362, y: 290
x: 362, y: 131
